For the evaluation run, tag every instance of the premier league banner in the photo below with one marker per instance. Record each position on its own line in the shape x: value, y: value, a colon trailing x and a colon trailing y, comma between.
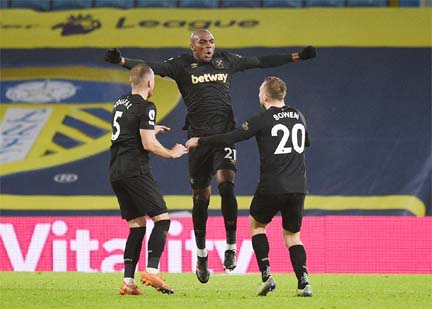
x: 366, y: 97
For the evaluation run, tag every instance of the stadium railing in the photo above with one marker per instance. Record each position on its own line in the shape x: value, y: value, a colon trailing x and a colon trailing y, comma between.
x: 48, y: 5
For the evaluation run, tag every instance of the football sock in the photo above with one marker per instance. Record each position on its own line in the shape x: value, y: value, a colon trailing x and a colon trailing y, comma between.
x: 199, y: 217
x: 261, y: 248
x: 229, y: 210
x: 156, y: 242
x: 133, y: 250
x: 129, y: 281
x: 152, y: 270
x: 232, y: 247
x: 298, y: 261
x: 202, y: 252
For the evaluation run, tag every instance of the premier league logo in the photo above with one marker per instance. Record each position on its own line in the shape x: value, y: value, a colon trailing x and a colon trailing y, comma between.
x: 78, y: 25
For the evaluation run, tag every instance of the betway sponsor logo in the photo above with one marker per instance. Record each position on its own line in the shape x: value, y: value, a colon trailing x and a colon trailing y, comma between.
x: 206, y: 78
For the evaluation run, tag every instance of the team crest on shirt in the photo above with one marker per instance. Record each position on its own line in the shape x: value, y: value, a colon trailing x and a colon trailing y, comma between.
x: 218, y: 63
x: 245, y: 126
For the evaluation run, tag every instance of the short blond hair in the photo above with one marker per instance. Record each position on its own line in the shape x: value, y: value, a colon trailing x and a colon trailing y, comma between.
x: 139, y: 73
x: 276, y: 87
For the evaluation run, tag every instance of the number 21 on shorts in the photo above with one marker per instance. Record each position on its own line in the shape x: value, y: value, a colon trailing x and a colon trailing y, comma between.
x: 231, y: 153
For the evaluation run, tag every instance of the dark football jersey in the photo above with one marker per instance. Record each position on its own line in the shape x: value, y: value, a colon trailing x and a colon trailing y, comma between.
x: 205, y: 86
x: 281, y: 136
x: 130, y: 113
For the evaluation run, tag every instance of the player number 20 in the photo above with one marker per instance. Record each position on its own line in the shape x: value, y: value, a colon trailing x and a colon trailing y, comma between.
x: 116, y: 126
x: 297, y: 144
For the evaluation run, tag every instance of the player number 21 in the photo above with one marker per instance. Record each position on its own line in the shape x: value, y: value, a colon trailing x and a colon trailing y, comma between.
x: 230, y: 153
x: 296, y: 143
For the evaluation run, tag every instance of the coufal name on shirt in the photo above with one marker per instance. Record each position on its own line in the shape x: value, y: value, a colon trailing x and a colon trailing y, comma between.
x: 124, y: 102
x: 285, y: 115
x: 205, y: 78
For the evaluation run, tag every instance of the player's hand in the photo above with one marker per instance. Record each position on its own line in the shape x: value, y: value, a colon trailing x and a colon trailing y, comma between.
x: 192, y: 142
x: 113, y: 55
x: 161, y: 129
x: 178, y: 150
x: 307, y: 53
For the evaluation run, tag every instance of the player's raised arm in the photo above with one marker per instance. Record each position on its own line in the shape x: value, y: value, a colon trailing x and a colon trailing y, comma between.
x: 268, y: 61
x: 114, y: 56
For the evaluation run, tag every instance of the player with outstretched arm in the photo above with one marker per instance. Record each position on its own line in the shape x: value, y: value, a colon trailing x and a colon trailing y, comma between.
x: 281, y: 135
x: 204, y: 78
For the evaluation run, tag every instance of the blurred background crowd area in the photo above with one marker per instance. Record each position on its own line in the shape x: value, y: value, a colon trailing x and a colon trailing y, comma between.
x: 48, y: 5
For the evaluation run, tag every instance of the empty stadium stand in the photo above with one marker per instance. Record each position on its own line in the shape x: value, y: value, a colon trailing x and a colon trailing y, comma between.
x: 47, y: 5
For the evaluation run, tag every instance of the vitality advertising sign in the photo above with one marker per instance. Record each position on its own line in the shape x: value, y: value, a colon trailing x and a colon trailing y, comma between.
x: 96, y: 244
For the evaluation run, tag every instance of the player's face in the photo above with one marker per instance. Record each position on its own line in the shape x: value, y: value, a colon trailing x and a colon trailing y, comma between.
x: 203, y: 46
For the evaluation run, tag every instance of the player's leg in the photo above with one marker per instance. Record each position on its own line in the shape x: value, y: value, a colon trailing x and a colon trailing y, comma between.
x: 200, y: 171
x: 225, y: 180
x: 155, y: 246
x: 201, y: 198
x: 225, y: 171
x: 158, y: 212
x: 137, y: 228
x: 261, y: 213
x: 292, y: 216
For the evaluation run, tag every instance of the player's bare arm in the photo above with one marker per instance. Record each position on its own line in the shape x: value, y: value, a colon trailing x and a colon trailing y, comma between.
x: 161, y: 129
x: 150, y: 143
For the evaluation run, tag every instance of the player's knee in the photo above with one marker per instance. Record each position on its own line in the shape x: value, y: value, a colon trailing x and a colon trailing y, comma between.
x: 162, y: 225
x: 202, y: 194
x: 226, y: 189
x: 200, y: 205
x: 291, y: 238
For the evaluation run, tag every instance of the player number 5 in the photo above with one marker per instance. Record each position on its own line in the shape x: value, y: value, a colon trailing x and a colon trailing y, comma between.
x: 116, y: 125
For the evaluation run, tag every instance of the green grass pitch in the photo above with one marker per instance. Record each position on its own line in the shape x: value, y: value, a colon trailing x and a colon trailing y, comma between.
x: 100, y: 290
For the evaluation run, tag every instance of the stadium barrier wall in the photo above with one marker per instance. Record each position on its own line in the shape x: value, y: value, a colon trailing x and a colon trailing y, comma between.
x: 95, y: 244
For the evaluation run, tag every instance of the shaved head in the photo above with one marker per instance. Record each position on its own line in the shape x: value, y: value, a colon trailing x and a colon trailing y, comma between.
x: 198, y: 33
x: 202, y: 44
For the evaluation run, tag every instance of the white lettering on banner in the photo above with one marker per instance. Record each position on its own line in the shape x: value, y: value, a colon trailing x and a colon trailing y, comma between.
x: 12, y: 246
x: 83, y: 245
x: 59, y: 248
x: 175, y: 265
x: 70, y: 247
x: 108, y: 264
x: 19, y: 131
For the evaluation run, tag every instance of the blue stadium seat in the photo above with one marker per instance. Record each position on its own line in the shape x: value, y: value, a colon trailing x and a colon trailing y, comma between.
x: 123, y: 4
x: 198, y: 3
x: 4, y: 4
x: 322, y: 3
x: 240, y: 3
x: 71, y: 4
x: 366, y: 3
x: 41, y: 5
x: 415, y: 3
x: 156, y: 3
x: 282, y: 3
